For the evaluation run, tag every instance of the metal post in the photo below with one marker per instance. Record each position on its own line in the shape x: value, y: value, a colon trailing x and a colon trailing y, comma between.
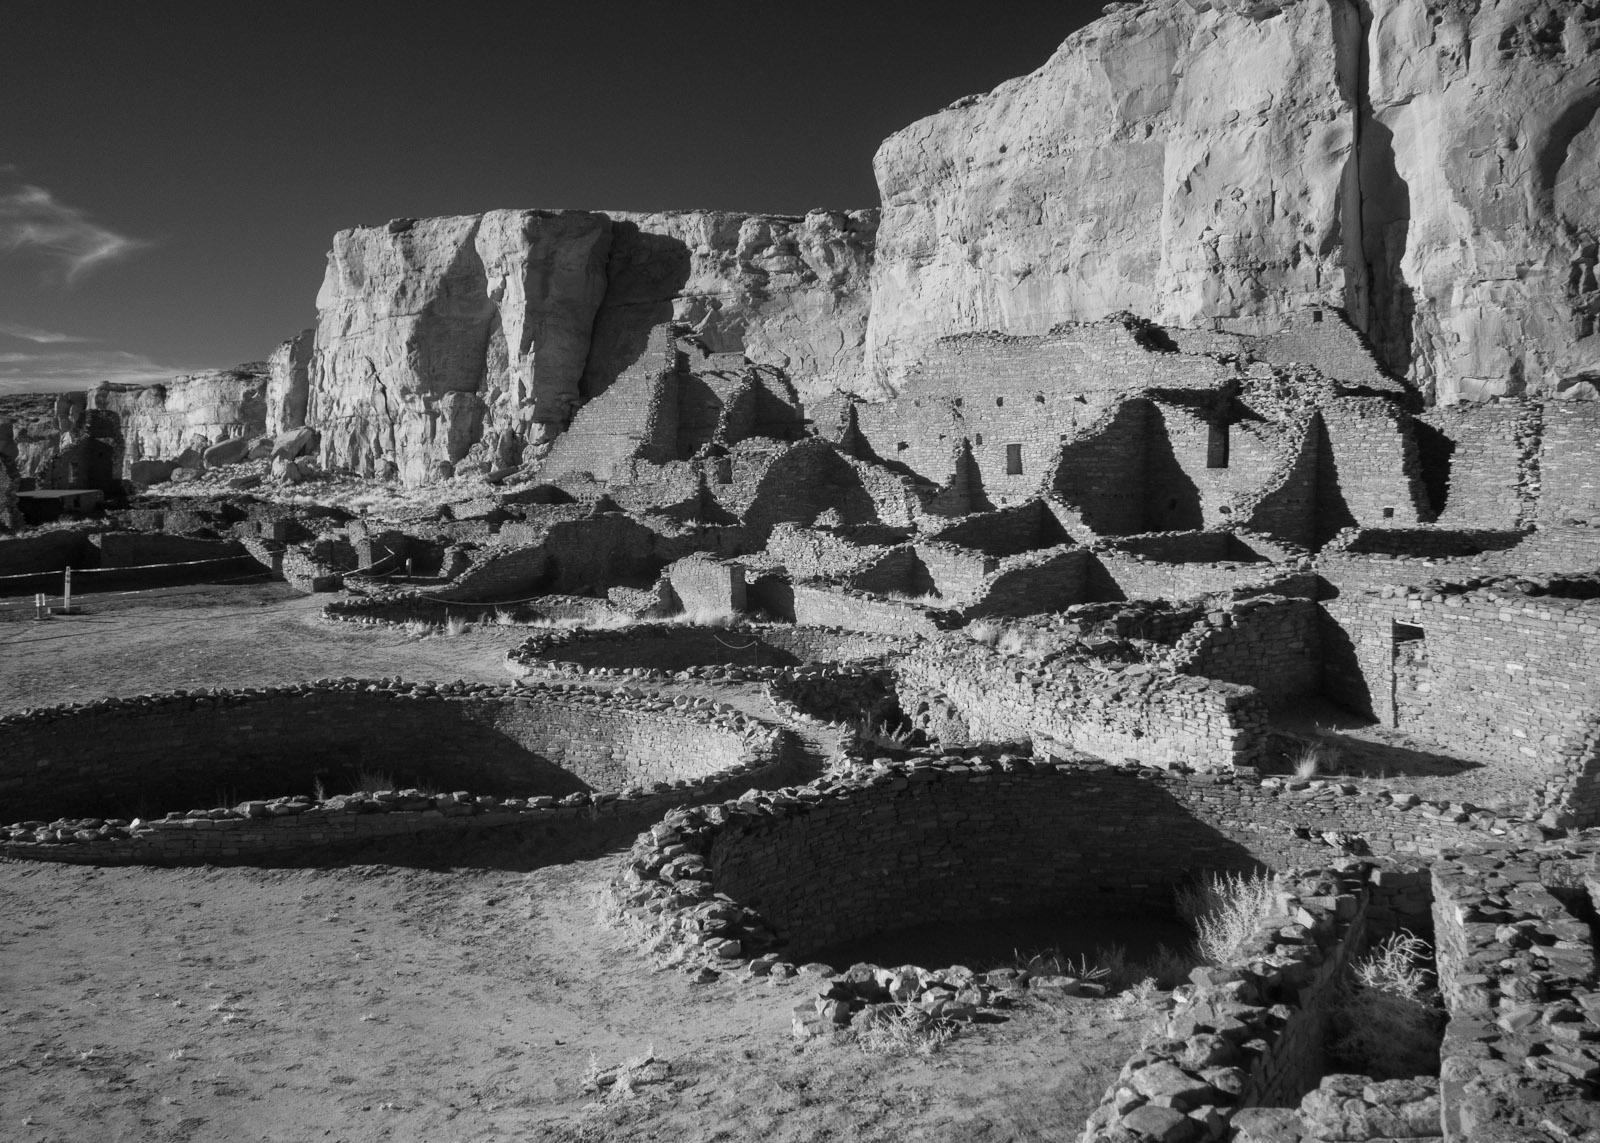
x: 408, y: 567
x: 66, y: 594
x: 38, y: 605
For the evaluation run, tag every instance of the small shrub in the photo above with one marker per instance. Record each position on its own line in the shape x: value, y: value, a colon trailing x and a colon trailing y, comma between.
x: 1388, y: 1020
x: 1226, y: 910
x: 504, y: 617
x: 984, y: 632
x: 417, y: 628
x: 1017, y: 641
x: 371, y: 781
x: 1306, y: 762
x: 455, y: 625
x: 903, y: 1030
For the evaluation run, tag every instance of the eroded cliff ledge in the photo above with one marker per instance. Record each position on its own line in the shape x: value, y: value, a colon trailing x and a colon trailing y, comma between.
x: 1429, y: 167
x: 475, y: 337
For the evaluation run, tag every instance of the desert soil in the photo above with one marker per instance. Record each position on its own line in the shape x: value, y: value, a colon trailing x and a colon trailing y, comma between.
x: 455, y: 993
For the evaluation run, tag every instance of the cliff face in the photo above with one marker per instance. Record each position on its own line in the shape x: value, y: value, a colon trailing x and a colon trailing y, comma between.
x: 161, y: 422
x: 472, y: 338
x: 1426, y: 165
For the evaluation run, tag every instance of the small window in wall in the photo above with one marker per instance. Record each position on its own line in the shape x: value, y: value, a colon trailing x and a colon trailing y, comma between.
x: 1407, y: 633
x: 1388, y: 513
x: 977, y: 438
x: 1013, y: 460
x: 1316, y: 316
x: 902, y: 446
x: 1217, y: 446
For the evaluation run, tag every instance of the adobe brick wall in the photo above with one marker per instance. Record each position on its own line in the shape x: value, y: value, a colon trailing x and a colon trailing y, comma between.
x: 127, y: 757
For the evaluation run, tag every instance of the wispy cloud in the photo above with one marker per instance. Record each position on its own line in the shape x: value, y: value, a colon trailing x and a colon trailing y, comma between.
x: 32, y: 221
x: 40, y: 336
x: 79, y: 369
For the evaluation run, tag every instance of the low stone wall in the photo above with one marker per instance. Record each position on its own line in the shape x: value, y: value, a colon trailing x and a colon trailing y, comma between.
x: 816, y: 606
x: 1139, y: 711
x: 832, y: 694
x: 1265, y: 642
x: 131, y: 549
x: 1516, y: 956
x: 392, y: 607
x: 902, y: 842
x: 46, y: 550
x: 1250, y: 1034
x: 738, y: 652
x: 121, y: 758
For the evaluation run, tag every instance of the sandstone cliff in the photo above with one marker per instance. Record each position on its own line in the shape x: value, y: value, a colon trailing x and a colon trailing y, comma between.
x: 471, y: 338
x: 162, y: 422
x: 1429, y: 166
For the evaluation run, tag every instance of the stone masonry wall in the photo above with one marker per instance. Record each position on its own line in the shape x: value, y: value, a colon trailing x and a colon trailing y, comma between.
x: 1488, y: 669
x: 141, y: 756
x: 1138, y: 712
x: 1569, y: 475
x: 1266, y: 642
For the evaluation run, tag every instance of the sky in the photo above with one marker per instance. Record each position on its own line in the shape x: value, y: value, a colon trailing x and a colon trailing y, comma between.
x: 171, y: 174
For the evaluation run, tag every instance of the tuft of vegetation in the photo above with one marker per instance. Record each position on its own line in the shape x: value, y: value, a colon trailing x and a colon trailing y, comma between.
x: 370, y: 782
x: 455, y: 625
x: 1389, y: 1019
x: 1226, y: 910
x: 902, y: 1030
x: 1306, y: 762
x: 984, y: 632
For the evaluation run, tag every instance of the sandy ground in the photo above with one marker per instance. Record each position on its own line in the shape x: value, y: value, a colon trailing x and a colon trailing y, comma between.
x: 459, y: 994
x: 391, y: 1001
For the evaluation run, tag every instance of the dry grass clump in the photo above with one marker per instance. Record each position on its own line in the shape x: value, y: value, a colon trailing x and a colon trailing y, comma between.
x: 902, y: 1030
x: 1388, y: 1021
x: 1226, y: 910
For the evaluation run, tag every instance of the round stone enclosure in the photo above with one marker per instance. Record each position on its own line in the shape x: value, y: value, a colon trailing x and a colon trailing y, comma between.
x: 144, y: 756
x: 957, y: 844
x: 670, y: 647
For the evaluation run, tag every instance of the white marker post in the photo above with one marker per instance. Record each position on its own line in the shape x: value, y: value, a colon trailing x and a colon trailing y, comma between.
x: 38, y: 605
x: 66, y: 593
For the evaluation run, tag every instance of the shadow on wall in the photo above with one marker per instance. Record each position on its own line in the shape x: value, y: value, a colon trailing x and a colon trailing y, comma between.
x: 806, y: 481
x: 1008, y: 846
x: 644, y: 273
x: 175, y: 758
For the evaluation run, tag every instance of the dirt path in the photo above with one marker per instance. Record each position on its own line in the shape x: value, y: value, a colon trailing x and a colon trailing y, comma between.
x: 260, y: 634
x: 384, y: 1002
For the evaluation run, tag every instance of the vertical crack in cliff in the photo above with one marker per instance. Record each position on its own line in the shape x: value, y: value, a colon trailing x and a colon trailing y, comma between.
x: 1375, y: 214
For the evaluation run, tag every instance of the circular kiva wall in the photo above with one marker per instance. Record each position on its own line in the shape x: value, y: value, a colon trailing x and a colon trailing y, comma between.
x: 902, y: 844
x: 142, y: 756
x: 670, y: 648
x: 932, y: 847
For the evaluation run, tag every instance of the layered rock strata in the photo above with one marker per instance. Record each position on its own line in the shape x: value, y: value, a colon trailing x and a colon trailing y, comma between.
x: 1426, y: 166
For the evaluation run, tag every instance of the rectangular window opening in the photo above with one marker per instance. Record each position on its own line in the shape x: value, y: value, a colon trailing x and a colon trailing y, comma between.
x: 1408, y: 632
x: 1013, y: 460
x: 1217, y: 446
x: 1388, y: 513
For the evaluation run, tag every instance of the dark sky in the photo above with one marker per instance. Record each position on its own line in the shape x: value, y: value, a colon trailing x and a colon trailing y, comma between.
x: 171, y: 174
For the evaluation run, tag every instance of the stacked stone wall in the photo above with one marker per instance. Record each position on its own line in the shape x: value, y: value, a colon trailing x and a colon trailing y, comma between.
x: 831, y: 606
x: 46, y: 551
x: 1569, y: 477
x: 1475, y: 463
x: 1048, y: 580
x: 1139, y: 712
x: 1490, y: 670
x: 137, y: 757
x: 1369, y: 473
x: 1268, y: 643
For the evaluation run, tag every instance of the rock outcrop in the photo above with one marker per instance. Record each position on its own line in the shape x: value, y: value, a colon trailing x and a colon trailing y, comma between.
x: 470, y: 338
x: 289, y: 383
x: 192, y: 412
x: 1429, y: 167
